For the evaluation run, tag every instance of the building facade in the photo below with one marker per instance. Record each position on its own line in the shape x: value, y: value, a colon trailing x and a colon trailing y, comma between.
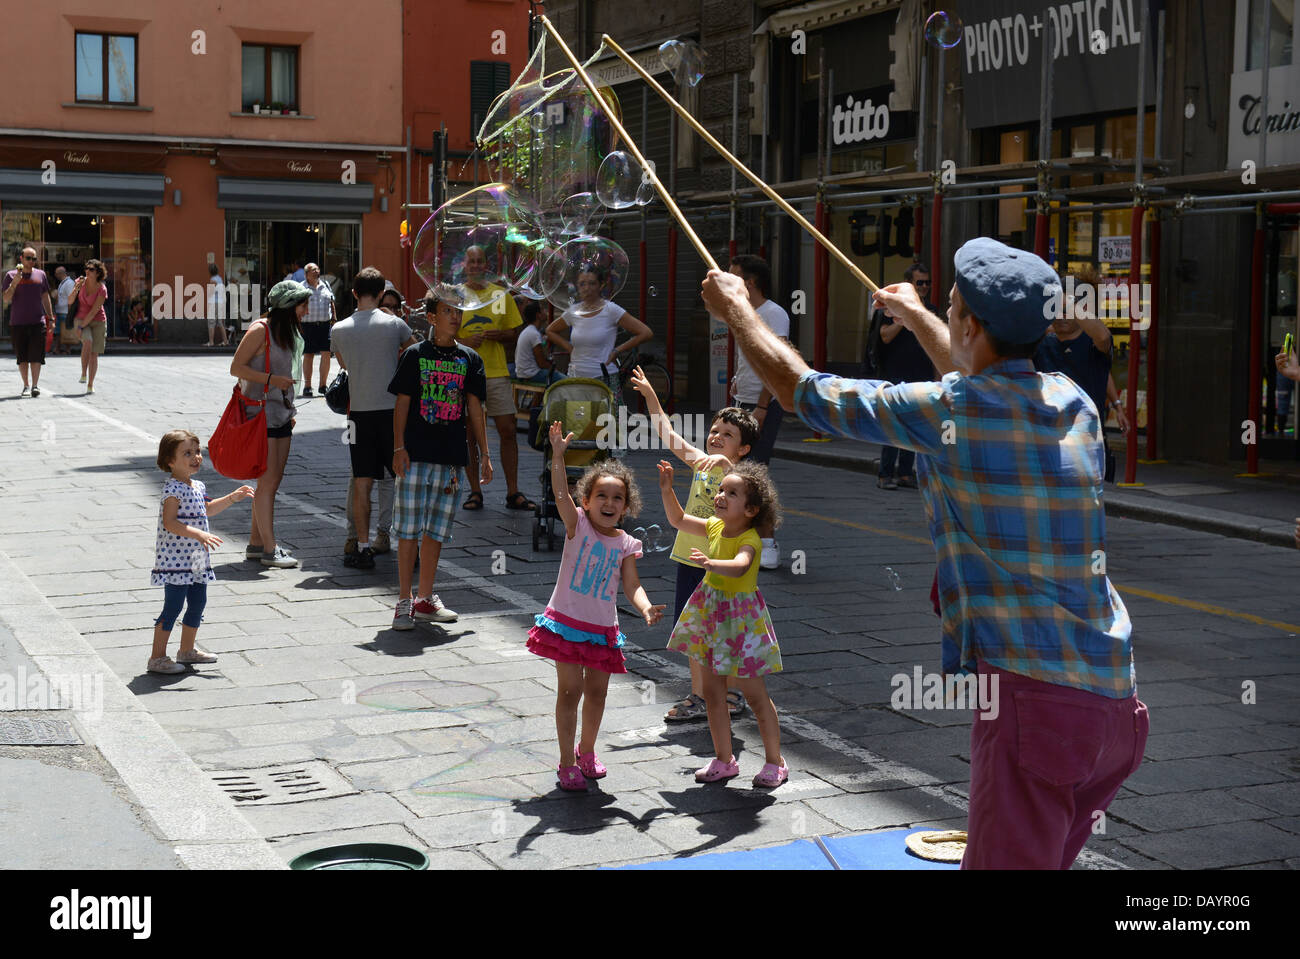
x: 161, y: 138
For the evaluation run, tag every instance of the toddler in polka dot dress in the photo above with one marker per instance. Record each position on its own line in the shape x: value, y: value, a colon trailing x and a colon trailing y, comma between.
x: 182, y: 566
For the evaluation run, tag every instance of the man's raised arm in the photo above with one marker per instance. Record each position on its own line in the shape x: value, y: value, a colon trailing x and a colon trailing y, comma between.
x: 775, y: 362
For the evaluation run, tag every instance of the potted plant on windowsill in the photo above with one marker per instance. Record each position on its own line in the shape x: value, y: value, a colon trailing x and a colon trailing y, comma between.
x: 292, y: 112
x: 257, y: 109
x: 276, y: 107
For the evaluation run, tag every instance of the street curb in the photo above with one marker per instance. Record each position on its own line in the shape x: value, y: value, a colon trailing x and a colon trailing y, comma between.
x: 1123, y: 505
x: 187, y: 809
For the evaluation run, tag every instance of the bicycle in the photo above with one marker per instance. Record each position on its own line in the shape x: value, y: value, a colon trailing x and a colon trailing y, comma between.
x: 619, y: 379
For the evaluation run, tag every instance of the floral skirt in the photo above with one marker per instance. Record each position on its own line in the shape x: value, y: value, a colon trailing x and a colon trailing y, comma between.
x: 730, y: 634
x: 567, y: 640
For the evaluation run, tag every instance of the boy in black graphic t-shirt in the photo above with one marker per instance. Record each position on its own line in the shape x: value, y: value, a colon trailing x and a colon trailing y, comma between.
x: 440, y: 388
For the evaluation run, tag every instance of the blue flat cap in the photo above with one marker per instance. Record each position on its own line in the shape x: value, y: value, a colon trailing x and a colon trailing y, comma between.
x: 1010, y: 290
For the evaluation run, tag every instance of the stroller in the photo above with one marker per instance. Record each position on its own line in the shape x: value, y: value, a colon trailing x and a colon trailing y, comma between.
x: 578, y: 405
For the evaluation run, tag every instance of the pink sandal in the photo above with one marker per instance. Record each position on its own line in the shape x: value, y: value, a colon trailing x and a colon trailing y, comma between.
x: 772, y: 775
x: 717, y: 770
x: 571, y: 778
x: 591, y: 766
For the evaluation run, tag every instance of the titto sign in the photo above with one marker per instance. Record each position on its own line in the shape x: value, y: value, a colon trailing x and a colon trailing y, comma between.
x: 859, y: 120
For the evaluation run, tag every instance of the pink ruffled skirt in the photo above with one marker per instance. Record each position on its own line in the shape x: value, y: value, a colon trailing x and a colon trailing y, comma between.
x: 567, y: 640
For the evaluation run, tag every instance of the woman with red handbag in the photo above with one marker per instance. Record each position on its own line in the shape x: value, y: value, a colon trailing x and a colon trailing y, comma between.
x: 264, y: 365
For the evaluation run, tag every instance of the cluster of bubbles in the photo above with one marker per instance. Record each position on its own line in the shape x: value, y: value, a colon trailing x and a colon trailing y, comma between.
x: 558, y: 169
x: 943, y: 30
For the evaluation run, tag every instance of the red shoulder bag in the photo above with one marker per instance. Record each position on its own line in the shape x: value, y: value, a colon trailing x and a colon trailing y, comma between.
x: 238, y: 445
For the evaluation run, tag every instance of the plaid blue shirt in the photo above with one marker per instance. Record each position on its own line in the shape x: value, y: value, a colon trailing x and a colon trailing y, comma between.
x: 1009, y: 462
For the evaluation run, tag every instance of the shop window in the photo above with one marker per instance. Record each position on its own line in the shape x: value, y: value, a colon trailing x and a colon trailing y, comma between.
x: 106, y: 68
x: 488, y: 79
x: 1280, y: 29
x: 269, y: 77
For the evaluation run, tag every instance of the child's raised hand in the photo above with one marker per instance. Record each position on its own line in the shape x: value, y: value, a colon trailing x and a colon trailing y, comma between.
x: 641, y: 383
x: 244, y: 492
x: 665, y: 475
x: 559, y: 442
x: 700, y: 558
x: 209, y: 540
x: 707, y: 464
x: 653, y: 614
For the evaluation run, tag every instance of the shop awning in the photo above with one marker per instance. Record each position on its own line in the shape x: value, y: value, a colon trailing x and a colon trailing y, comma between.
x: 294, y: 196
x: 93, y: 191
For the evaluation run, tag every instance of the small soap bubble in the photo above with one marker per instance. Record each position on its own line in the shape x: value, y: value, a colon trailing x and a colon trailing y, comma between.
x: 653, y: 290
x: 895, y: 580
x: 577, y: 213
x: 538, y: 122
x: 655, y: 541
x: 645, y: 193
x: 595, y: 255
x: 639, y: 533
x: 619, y: 181
x: 685, y: 59
x: 943, y: 30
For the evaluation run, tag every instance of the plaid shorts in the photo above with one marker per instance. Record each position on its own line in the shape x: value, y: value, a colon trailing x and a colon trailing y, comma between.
x: 425, y: 501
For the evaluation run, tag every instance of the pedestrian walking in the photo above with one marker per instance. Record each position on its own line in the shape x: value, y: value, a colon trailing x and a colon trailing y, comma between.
x: 1007, y: 461
x: 90, y: 320
x: 368, y: 344
x: 264, y: 364
x: 26, y: 292
x: 316, y: 329
x: 63, y: 294
x: 748, y: 391
x: 217, y: 307
x: 489, y: 331
x: 440, y: 389
x: 725, y: 626
x: 182, y: 560
x: 732, y: 435
x: 579, y: 629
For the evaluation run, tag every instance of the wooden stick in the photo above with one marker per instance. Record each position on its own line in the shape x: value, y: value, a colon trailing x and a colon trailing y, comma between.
x: 754, y: 178
x: 632, y: 147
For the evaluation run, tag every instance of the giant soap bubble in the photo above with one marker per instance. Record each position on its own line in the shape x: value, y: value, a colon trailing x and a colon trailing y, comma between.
x: 619, y: 180
x: 468, y: 250
x: 943, y: 30
x: 584, y: 254
x: 685, y: 59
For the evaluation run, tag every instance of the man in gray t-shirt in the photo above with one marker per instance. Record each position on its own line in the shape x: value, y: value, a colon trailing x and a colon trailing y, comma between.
x: 368, y: 345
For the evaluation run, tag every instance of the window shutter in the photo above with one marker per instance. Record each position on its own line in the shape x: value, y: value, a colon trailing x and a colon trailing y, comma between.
x: 488, y: 79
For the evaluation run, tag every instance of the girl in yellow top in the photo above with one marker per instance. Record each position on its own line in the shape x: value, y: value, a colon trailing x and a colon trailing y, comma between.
x: 725, y: 626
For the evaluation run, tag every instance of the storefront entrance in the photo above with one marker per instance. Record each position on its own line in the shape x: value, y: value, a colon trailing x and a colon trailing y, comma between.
x: 1281, y: 312
x: 261, y: 251
x: 124, y: 243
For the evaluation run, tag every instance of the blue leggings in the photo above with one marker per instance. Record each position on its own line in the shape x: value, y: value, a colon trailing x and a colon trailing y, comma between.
x: 194, y: 596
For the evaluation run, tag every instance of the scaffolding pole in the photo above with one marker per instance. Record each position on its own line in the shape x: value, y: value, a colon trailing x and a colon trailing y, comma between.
x: 1153, y: 335
x: 1135, y: 269
x: 1254, y: 373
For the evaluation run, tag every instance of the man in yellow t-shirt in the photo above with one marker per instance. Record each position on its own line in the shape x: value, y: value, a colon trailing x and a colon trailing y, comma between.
x: 490, y: 331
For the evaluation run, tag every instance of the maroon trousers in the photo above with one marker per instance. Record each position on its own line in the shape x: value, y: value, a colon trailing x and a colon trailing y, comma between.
x: 1042, y: 770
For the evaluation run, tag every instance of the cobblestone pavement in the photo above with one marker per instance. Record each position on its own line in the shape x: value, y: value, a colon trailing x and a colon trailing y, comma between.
x: 444, y: 738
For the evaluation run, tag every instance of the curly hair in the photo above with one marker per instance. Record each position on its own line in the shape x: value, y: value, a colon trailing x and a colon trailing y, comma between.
x: 742, y: 420
x: 170, y: 443
x: 760, y: 491
x: 610, y: 467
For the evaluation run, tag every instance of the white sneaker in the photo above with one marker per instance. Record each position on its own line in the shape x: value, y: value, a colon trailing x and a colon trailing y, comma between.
x: 83, y: 378
x: 195, y: 655
x: 280, y: 559
x: 432, y: 610
x: 165, y: 664
x: 771, y: 558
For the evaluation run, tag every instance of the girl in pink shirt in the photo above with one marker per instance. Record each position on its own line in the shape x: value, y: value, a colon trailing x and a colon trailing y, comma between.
x: 579, y: 629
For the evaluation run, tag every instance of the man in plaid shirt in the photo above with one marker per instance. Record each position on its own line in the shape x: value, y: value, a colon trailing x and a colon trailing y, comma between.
x: 1009, y: 467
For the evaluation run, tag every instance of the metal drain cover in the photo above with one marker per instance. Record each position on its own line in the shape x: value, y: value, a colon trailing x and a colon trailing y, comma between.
x: 26, y: 731
x: 276, y: 785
